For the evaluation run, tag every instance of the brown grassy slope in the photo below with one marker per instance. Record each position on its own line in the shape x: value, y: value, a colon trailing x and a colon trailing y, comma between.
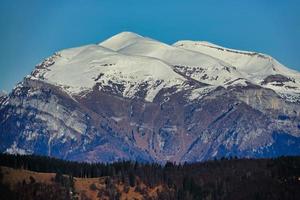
x: 83, y: 186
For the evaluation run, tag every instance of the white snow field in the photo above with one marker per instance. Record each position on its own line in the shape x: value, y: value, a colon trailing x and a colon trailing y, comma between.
x: 131, y: 60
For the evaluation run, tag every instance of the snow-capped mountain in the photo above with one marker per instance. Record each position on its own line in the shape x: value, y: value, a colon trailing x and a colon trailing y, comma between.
x: 133, y: 97
x: 258, y: 68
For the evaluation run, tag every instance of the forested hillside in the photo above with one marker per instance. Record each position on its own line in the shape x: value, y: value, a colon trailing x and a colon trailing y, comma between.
x: 220, y: 179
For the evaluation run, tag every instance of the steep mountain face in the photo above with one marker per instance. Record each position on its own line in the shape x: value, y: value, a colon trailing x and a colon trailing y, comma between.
x: 132, y: 97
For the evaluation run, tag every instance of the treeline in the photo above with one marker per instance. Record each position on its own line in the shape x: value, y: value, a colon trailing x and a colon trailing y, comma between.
x: 277, y: 178
x: 77, y: 169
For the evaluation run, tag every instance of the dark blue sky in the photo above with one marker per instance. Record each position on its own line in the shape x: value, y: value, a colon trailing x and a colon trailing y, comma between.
x: 31, y: 30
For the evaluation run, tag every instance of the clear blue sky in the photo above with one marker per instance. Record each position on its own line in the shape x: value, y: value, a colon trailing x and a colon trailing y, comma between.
x: 31, y: 30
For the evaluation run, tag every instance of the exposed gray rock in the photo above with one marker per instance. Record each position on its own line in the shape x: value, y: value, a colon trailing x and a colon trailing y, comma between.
x: 100, y: 126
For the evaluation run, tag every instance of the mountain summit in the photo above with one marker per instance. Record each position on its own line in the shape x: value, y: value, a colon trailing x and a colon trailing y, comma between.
x: 135, y: 98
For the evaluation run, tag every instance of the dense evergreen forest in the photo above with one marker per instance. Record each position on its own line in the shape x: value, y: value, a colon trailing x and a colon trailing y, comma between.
x: 233, y: 178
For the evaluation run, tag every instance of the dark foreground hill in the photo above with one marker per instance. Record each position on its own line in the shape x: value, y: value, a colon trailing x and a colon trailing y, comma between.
x: 35, y: 177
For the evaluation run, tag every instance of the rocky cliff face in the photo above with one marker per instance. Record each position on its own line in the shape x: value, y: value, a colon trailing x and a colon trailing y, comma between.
x: 135, y: 98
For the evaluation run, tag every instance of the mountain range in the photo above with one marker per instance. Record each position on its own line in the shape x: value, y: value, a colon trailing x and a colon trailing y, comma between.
x: 135, y: 98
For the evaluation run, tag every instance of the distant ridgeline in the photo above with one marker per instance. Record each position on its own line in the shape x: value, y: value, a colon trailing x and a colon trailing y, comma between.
x: 277, y: 178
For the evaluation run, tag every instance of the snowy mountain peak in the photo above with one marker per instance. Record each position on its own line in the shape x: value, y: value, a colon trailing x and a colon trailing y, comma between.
x: 247, y: 61
x: 122, y: 40
x: 131, y: 60
x: 79, y: 70
x: 258, y: 68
